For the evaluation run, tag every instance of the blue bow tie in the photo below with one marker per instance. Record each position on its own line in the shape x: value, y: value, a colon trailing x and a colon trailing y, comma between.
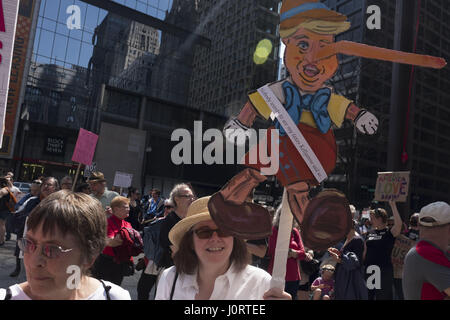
x: 316, y: 103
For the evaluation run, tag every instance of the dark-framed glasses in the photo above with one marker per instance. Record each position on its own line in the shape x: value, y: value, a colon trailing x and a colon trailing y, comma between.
x: 206, y: 233
x: 190, y: 196
x: 50, y: 251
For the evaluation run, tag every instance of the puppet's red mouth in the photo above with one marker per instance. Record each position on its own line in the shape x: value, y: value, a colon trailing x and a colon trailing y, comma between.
x: 311, y: 70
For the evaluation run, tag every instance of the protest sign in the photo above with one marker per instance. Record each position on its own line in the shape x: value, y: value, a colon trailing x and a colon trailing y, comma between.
x: 84, y: 150
x: 365, y: 213
x: 85, y: 147
x: 392, y: 186
x: 89, y: 169
x: 122, y: 179
x: 8, y: 21
x: 401, y: 247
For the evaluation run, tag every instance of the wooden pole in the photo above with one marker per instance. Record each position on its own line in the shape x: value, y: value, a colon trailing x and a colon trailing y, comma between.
x: 76, y: 177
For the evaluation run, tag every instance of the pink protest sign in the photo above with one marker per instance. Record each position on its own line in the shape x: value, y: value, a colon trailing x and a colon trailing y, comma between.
x: 85, y: 147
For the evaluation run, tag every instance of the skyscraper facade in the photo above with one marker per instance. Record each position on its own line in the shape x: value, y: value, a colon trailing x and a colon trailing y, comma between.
x: 225, y: 72
x: 411, y: 103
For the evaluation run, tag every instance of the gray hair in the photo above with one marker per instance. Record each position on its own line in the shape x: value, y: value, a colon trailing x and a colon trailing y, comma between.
x: 66, y: 178
x: 176, y: 191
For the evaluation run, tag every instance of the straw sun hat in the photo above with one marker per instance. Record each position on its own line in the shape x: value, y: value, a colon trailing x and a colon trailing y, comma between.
x: 197, y: 212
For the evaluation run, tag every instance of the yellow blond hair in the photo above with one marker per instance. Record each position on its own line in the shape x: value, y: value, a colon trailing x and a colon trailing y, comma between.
x: 318, y: 26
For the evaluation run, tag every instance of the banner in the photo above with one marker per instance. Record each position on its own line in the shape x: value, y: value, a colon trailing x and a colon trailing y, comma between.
x: 18, y: 74
x: 85, y: 147
x: 122, y: 179
x: 401, y: 247
x: 8, y: 19
x: 392, y: 186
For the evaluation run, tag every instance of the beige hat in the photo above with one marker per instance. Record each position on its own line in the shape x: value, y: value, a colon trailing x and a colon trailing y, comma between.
x: 435, y: 214
x: 96, y: 177
x: 197, y: 212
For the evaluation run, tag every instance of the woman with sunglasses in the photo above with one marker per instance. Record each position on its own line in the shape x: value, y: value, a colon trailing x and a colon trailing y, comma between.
x: 65, y: 233
x: 211, y: 264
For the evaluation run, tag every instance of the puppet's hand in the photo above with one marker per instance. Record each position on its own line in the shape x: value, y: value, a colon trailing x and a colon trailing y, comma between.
x: 235, y: 132
x: 366, y: 122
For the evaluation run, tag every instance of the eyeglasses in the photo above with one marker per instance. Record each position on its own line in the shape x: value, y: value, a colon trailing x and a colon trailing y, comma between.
x: 206, y: 233
x: 48, y: 184
x: 168, y: 207
x: 191, y: 196
x: 50, y: 251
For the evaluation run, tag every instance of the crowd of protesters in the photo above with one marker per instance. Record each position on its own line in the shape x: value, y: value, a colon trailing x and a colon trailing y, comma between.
x: 185, y: 256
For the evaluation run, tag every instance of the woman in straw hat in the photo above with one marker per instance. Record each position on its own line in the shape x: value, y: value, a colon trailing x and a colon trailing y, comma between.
x: 211, y: 264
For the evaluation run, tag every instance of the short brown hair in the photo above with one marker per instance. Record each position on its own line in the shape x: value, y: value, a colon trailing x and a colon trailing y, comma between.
x: 380, y: 213
x: 119, y: 201
x: 75, y: 213
x: 186, y: 261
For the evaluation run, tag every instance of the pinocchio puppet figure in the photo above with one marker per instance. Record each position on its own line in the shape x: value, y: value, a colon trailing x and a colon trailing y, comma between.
x: 308, y: 29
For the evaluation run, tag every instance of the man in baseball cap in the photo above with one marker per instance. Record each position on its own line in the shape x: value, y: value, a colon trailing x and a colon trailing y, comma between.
x: 426, y: 273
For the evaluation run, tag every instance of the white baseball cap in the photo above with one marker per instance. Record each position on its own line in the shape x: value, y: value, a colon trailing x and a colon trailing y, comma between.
x: 435, y: 214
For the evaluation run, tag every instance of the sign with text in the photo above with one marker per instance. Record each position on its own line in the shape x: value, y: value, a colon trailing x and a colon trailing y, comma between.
x: 392, y: 186
x: 26, y: 21
x: 401, y: 247
x: 89, y: 169
x: 55, y: 145
x: 85, y: 147
x: 122, y: 179
x: 8, y: 20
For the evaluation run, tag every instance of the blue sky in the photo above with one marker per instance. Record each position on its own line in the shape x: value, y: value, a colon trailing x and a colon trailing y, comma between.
x: 55, y: 43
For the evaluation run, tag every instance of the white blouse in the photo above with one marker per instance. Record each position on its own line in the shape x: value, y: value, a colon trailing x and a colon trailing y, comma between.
x: 248, y: 284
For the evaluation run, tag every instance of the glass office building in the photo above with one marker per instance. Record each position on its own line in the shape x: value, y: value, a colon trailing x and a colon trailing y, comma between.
x: 412, y: 104
x: 123, y: 70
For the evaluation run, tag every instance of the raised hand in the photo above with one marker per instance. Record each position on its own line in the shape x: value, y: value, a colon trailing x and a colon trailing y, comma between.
x: 366, y: 122
x: 235, y: 132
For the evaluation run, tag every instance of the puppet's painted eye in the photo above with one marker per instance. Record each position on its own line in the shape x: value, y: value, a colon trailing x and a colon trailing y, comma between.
x: 303, y: 45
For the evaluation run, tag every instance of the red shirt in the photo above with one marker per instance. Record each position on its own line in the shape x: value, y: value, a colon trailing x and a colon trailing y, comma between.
x: 292, y: 270
x: 114, y: 226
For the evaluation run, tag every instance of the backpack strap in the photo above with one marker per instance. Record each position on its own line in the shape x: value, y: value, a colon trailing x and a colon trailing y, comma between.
x: 107, y: 288
x: 8, y: 294
x: 173, y: 286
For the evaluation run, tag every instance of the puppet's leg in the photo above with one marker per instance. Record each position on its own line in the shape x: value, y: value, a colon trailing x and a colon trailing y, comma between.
x: 298, y: 199
x: 239, y: 188
x: 232, y: 213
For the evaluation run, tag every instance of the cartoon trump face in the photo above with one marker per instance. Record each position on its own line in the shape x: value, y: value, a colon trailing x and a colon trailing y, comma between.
x: 308, y: 27
x: 307, y: 72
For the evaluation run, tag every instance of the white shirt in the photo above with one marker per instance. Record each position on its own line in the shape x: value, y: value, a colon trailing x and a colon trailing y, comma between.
x: 115, y: 293
x: 248, y: 284
x: 15, y: 191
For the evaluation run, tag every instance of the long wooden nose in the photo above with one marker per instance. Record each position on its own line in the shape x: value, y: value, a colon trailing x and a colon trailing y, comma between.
x: 370, y: 52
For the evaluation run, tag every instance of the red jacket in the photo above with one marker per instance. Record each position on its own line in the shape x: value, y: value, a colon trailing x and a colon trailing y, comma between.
x: 119, y: 253
x: 296, y: 244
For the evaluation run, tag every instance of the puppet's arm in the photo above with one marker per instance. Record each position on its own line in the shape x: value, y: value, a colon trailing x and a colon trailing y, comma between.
x: 235, y: 130
x: 363, y: 120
